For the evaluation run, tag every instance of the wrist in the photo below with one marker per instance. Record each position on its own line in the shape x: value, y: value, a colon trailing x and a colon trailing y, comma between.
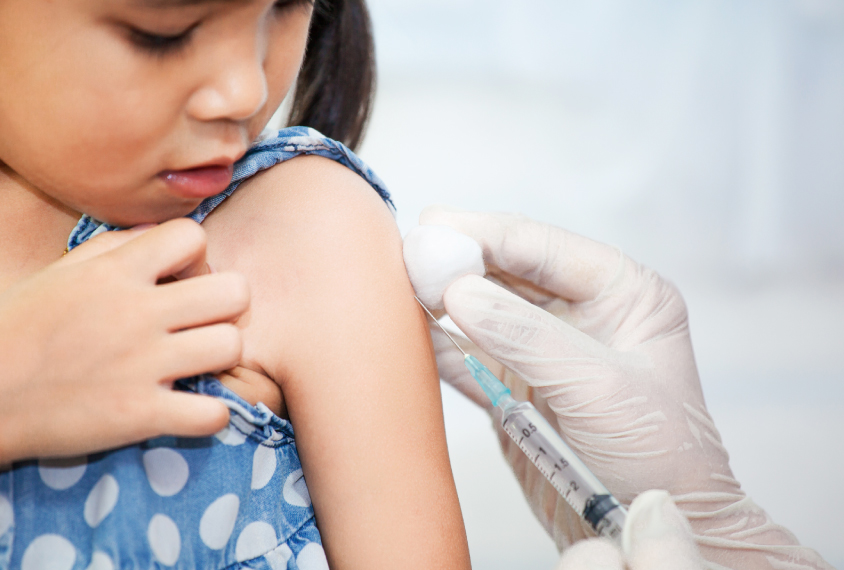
x: 735, y: 533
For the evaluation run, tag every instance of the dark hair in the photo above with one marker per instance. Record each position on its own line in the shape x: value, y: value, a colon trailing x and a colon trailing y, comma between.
x: 336, y: 85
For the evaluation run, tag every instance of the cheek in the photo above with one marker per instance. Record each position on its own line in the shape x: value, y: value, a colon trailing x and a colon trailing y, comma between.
x: 87, y: 125
x: 116, y: 111
x: 103, y: 114
x: 284, y: 59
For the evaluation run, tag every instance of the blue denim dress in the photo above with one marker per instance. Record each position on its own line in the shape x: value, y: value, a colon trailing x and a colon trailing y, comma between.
x: 232, y: 501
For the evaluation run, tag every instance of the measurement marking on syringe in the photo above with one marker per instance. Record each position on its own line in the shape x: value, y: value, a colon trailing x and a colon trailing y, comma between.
x: 528, y: 428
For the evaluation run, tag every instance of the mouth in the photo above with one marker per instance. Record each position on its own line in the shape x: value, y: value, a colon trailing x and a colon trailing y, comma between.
x: 199, y: 182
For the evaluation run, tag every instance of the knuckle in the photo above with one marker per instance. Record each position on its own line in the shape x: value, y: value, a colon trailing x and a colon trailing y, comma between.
x: 676, y: 298
x: 137, y: 411
x: 230, y: 342
x: 665, y: 296
x: 238, y: 290
x: 102, y: 268
x: 106, y: 240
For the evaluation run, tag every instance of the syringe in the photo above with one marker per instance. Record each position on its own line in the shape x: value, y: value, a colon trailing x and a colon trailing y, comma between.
x: 547, y: 450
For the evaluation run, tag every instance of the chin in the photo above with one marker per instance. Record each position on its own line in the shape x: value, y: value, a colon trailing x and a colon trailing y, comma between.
x: 140, y: 216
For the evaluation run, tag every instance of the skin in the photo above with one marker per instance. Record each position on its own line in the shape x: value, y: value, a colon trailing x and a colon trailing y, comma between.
x: 76, y: 379
x: 332, y: 321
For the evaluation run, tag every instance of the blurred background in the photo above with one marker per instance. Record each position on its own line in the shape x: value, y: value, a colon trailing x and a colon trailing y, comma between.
x: 703, y: 137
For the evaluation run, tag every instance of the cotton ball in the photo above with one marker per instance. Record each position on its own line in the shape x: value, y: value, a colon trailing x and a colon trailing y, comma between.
x: 435, y: 257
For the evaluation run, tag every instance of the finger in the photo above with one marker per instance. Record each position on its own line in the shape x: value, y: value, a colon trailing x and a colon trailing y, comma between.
x: 190, y: 415
x: 592, y: 554
x: 522, y: 337
x: 200, y: 350
x: 103, y: 243
x: 204, y: 300
x: 254, y: 388
x: 174, y: 248
x: 657, y: 536
x: 569, y: 265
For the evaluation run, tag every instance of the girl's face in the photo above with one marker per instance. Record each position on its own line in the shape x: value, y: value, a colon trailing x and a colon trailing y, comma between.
x: 133, y: 111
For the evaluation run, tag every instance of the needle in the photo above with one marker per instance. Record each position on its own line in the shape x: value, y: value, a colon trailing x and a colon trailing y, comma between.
x: 421, y: 304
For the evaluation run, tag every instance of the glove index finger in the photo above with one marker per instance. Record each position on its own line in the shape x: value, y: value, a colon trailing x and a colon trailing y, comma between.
x: 531, y: 342
x: 566, y: 264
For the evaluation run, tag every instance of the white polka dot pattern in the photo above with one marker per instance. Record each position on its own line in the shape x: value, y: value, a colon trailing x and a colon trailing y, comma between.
x: 49, y: 552
x: 100, y: 561
x: 254, y: 540
x: 242, y: 424
x: 164, y: 539
x: 217, y: 523
x: 101, y: 500
x: 7, y: 515
x: 295, y: 492
x: 231, y: 436
x: 167, y: 471
x: 276, y: 436
x: 312, y: 557
x: 61, y: 474
x: 263, y: 466
x: 277, y: 559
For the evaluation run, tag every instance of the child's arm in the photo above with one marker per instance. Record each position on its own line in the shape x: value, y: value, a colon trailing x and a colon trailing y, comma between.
x: 334, y: 321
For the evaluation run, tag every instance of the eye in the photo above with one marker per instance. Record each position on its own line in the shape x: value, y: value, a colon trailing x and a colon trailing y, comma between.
x: 159, y: 44
x: 281, y: 5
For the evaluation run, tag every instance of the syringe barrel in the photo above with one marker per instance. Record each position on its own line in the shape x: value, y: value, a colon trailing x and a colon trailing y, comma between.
x: 575, y: 482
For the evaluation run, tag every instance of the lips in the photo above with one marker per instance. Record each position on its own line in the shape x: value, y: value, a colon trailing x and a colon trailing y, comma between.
x: 201, y: 182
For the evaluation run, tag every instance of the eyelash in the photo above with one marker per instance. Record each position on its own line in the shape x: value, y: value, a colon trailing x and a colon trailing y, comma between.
x: 160, y: 46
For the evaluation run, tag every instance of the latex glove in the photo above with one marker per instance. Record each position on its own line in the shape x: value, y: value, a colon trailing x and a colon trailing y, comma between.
x: 91, y: 344
x: 656, y: 537
x: 601, y: 346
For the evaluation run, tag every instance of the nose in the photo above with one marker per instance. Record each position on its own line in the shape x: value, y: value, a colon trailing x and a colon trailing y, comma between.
x: 235, y: 87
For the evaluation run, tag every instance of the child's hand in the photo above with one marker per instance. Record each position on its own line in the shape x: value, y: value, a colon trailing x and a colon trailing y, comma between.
x: 91, y: 344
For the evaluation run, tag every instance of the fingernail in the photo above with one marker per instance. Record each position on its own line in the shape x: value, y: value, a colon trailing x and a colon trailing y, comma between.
x: 142, y: 227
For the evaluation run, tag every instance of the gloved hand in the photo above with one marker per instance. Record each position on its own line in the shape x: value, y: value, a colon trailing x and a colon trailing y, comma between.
x: 656, y: 537
x: 601, y: 346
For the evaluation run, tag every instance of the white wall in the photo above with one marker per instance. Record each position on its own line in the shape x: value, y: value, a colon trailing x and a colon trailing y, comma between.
x: 704, y: 137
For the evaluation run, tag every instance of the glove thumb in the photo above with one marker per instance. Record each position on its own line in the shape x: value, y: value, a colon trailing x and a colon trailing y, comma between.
x: 592, y: 554
x: 657, y: 536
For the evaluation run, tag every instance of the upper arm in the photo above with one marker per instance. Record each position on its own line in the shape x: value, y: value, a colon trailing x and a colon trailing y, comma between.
x: 334, y: 321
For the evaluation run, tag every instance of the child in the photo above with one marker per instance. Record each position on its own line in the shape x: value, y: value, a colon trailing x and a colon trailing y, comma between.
x: 139, y: 111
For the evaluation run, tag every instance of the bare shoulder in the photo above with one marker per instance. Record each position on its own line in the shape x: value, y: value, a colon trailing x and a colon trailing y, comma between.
x: 309, y: 235
x: 309, y: 194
